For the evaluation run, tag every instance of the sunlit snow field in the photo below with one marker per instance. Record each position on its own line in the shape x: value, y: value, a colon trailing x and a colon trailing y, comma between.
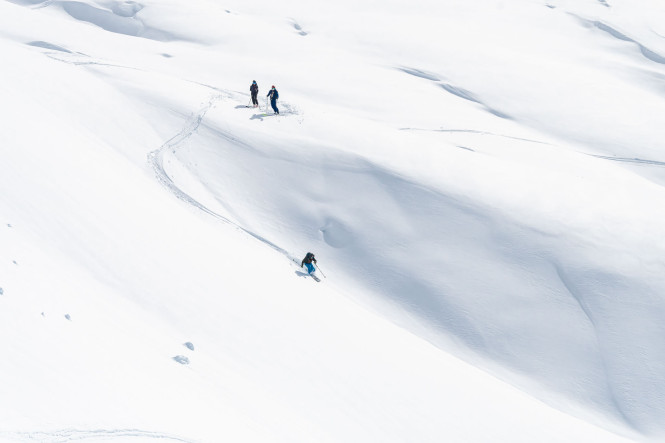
x: 482, y: 183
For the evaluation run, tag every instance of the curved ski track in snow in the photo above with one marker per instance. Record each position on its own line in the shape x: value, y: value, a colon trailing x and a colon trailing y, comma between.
x: 66, y: 435
x: 156, y: 159
x: 475, y: 131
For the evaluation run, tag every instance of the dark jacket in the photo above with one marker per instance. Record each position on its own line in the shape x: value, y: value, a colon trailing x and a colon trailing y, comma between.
x: 254, y: 89
x: 309, y: 258
x: 273, y: 94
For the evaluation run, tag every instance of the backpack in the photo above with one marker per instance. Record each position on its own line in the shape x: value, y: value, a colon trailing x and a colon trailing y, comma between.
x: 275, y: 96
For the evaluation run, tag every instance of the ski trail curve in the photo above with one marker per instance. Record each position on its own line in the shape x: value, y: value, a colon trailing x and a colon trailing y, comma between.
x: 477, y: 132
x: 66, y: 435
x: 156, y: 159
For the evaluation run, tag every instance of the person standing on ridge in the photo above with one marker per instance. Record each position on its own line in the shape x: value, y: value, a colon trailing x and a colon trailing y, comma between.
x: 254, y: 89
x: 307, y: 261
x: 274, y: 95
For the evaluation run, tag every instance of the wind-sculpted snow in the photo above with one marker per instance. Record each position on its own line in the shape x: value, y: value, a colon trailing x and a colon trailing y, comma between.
x: 481, y: 183
x: 51, y: 46
x: 419, y: 73
x: 432, y: 243
x: 648, y: 53
x: 120, y: 19
x: 452, y: 89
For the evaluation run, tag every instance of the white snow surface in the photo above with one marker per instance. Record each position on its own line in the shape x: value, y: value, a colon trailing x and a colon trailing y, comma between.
x: 482, y: 183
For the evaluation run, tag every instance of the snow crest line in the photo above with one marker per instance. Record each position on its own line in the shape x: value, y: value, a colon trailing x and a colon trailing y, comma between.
x: 156, y: 159
x: 579, y: 298
x: 67, y: 435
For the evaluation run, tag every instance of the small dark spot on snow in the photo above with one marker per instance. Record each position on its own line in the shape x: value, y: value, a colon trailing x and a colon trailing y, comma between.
x: 167, y: 55
x: 181, y: 359
x: 1, y: 291
x: 68, y: 317
x: 43, y: 315
x: 190, y: 346
x: 14, y: 261
x: 298, y: 28
x: 9, y: 225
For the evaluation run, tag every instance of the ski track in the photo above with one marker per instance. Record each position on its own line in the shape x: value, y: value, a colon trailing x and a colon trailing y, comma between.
x: 67, y: 435
x: 156, y: 159
x: 630, y: 160
x: 475, y: 131
x: 79, y: 59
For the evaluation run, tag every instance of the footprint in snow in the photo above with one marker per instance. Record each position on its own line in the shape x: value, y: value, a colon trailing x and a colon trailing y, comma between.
x: 189, y: 345
x: 181, y: 359
x: 298, y: 28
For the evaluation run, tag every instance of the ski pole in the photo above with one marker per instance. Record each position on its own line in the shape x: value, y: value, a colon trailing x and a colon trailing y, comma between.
x: 319, y: 268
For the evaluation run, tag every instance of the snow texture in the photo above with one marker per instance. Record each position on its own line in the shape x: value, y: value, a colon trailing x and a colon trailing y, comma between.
x: 482, y: 183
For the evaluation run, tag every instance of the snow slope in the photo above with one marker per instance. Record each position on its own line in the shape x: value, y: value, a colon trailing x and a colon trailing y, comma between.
x: 481, y: 182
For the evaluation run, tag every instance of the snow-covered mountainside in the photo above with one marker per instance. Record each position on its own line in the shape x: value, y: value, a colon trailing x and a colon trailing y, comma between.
x: 482, y: 183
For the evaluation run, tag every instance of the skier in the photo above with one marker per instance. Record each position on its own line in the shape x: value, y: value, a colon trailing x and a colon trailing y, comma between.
x: 307, y: 261
x: 254, y: 89
x: 274, y: 95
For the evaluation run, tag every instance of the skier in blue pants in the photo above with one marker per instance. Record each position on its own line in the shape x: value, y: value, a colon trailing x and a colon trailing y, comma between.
x: 274, y: 95
x: 307, y: 261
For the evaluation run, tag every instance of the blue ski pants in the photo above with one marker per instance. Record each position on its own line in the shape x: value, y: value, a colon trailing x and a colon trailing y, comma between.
x: 310, y: 268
